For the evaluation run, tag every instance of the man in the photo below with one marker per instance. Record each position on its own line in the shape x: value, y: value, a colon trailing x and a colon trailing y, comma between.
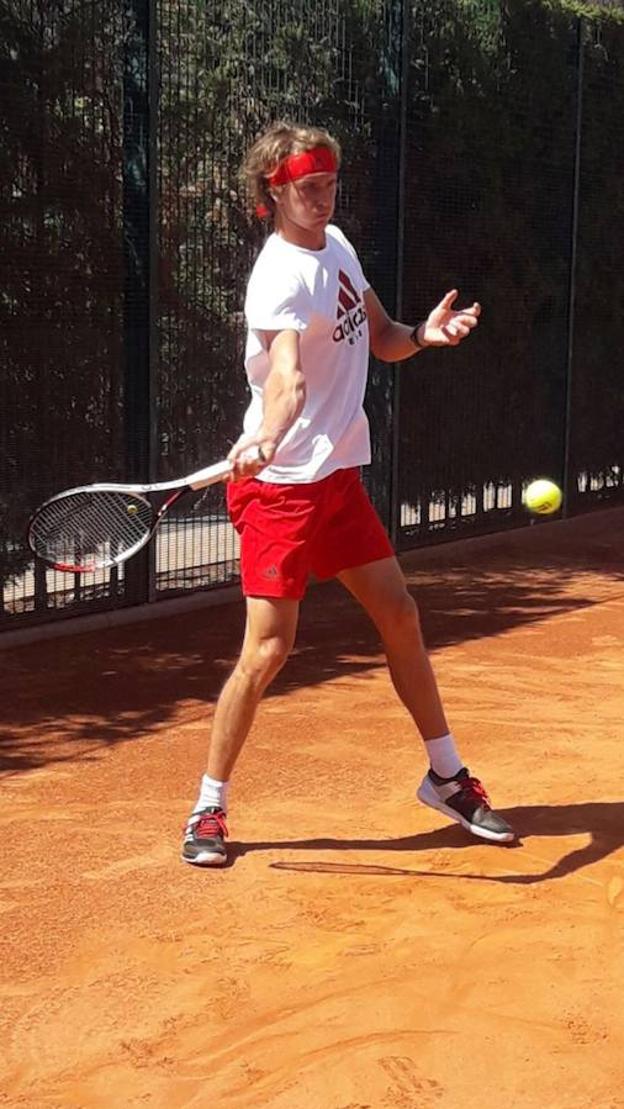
x: 296, y: 497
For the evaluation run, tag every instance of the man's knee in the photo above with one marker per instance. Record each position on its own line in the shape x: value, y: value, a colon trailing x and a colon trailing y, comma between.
x: 264, y: 658
x: 400, y: 618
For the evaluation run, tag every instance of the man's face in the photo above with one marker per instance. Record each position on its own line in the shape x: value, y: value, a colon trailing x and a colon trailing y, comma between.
x: 309, y: 202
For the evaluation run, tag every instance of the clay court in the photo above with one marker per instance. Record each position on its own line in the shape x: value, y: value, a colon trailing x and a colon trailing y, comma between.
x: 358, y: 953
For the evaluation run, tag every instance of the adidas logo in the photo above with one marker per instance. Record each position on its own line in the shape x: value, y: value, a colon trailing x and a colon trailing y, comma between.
x: 350, y: 311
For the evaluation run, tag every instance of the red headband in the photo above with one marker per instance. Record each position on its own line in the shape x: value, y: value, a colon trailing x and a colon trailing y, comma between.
x: 318, y: 160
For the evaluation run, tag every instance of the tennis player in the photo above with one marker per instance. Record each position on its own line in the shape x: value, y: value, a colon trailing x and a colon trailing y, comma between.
x: 296, y: 498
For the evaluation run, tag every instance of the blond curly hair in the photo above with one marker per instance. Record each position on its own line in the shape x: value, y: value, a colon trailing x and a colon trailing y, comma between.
x: 275, y: 144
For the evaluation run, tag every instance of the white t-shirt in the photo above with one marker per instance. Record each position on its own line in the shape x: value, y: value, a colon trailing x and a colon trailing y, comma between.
x: 319, y: 294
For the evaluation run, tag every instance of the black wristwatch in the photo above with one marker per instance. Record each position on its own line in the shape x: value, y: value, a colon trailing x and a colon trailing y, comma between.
x: 414, y: 336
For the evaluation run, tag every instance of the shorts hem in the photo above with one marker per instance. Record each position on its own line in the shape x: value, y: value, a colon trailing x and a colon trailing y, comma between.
x: 266, y: 594
x: 324, y: 576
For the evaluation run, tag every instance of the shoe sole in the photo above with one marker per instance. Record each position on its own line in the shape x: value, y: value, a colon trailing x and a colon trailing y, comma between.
x: 205, y: 859
x: 428, y: 796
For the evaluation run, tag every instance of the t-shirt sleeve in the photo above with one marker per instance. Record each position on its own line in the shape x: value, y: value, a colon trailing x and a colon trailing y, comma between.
x: 277, y: 302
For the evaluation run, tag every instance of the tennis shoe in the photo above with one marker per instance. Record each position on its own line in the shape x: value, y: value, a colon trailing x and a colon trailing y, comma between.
x: 204, y: 837
x: 464, y: 799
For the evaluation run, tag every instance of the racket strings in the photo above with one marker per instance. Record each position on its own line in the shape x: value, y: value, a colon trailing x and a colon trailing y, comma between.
x: 91, y: 528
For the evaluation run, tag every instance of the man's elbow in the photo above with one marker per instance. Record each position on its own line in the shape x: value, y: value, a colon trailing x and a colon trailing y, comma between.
x: 376, y: 349
x: 379, y: 342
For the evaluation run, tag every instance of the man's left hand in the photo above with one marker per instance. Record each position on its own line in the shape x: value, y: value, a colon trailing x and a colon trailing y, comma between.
x: 446, y: 326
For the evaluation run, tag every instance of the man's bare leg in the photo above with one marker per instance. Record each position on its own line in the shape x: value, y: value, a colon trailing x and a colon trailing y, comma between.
x: 448, y: 787
x: 269, y: 637
x: 380, y: 588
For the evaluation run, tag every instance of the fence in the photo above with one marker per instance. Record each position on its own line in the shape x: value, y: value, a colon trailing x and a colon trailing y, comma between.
x: 479, y: 154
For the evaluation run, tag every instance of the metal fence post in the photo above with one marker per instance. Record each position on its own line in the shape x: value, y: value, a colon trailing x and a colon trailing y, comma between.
x: 568, y: 476
x: 395, y: 503
x: 139, y: 174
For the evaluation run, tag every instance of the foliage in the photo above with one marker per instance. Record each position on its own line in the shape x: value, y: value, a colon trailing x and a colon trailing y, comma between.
x: 489, y: 155
x: 599, y: 11
x: 60, y: 256
x: 492, y: 123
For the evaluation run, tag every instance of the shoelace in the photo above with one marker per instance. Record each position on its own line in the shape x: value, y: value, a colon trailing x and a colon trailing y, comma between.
x: 210, y: 824
x: 476, y: 789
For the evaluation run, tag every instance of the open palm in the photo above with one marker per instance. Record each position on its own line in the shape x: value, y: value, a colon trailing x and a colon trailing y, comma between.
x: 446, y: 326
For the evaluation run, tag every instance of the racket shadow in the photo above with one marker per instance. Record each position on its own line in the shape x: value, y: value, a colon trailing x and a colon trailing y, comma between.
x: 603, y: 822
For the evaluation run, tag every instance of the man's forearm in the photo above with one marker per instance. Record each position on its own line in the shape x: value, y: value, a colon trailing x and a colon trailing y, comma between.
x: 284, y: 398
x: 398, y: 341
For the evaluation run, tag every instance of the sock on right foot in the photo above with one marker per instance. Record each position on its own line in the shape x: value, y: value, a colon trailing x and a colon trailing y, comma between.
x: 212, y: 794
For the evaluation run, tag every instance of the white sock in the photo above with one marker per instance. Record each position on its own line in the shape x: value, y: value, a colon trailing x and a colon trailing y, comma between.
x: 443, y: 757
x: 212, y: 793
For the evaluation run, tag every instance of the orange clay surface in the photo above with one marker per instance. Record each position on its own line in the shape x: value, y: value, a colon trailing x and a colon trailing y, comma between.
x: 359, y: 953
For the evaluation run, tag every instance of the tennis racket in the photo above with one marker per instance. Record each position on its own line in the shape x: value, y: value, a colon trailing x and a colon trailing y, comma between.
x: 94, y: 527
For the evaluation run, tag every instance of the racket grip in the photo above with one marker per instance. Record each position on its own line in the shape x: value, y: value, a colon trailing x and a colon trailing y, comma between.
x: 210, y: 475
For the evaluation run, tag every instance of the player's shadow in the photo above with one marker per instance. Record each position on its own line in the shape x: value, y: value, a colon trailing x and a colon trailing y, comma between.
x: 602, y: 821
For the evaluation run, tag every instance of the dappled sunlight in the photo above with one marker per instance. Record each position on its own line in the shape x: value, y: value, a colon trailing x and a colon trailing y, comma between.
x: 71, y: 698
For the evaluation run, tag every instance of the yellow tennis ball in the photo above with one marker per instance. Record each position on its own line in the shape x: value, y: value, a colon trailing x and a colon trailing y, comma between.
x: 132, y: 510
x: 543, y: 497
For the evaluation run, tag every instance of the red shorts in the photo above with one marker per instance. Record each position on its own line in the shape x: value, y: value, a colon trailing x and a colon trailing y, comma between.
x: 291, y: 531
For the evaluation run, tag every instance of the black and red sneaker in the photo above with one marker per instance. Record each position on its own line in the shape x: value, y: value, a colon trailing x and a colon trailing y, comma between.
x: 464, y: 799
x: 204, y: 837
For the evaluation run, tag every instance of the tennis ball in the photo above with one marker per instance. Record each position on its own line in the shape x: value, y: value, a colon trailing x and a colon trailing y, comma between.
x: 543, y: 497
x: 132, y: 510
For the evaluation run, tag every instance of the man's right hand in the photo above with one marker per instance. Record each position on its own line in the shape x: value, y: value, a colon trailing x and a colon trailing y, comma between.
x: 249, y: 455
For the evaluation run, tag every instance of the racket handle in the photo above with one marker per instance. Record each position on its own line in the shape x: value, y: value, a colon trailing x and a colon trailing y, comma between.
x: 210, y: 475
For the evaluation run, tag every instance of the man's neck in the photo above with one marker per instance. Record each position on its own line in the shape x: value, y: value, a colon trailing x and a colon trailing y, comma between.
x: 301, y: 236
